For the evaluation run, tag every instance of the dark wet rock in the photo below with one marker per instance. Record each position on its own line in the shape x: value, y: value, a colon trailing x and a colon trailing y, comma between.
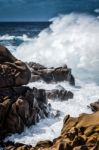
x: 60, y: 94
x: 39, y: 72
x: 94, y: 106
x: 36, y: 66
x: 20, y: 107
x: 58, y: 113
x: 81, y: 133
x: 15, y: 146
x: 13, y: 72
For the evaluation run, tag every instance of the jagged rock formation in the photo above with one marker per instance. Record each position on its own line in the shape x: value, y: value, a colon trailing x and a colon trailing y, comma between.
x: 94, y: 106
x: 13, y: 72
x: 39, y: 72
x: 59, y: 94
x: 81, y: 133
x: 20, y: 106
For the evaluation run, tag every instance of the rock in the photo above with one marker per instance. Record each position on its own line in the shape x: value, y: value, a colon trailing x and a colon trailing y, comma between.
x: 6, y: 56
x: 39, y: 72
x: 20, y: 107
x: 13, y: 72
x: 17, y: 146
x: 60, y: 94
x: 44, y: 144
x: 81, y: 133
x: 40, y: 95
x: 94, y: 106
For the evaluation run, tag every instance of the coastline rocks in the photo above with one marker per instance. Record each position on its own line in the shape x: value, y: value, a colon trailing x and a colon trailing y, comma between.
x: 19, y: 107
x: 13, y: 72
x: 60, y: 94
x: 15, y: 146
x: 94, y: 106
x: 39, y: 72
x: 81, y: 133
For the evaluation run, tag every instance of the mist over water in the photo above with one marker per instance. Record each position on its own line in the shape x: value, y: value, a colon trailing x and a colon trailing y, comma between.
x: 71, y: 39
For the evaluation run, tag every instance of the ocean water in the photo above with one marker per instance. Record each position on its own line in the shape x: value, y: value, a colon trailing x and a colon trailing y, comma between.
x: 70, y: 39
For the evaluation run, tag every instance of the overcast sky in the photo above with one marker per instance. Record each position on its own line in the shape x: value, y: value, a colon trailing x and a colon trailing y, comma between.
x: 42, y: 10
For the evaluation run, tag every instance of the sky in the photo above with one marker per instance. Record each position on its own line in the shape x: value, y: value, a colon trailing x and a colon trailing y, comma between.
x: 42, y: 10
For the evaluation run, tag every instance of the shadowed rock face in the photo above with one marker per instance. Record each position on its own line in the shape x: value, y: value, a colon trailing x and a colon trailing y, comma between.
x: 80, y: 133
x: 6, y: 56
x: 39, y: 72
x: 94, y: 106
x: 59, y: 94
x: 20, y: 107
x: 13, y: 72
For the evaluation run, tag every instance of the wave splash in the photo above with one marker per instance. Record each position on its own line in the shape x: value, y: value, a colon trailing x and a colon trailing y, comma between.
x: 8, y: 37
x: 71, y: 39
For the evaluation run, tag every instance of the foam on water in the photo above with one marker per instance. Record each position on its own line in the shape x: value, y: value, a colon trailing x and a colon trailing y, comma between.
x: 71, y: 39
x: 50, y: 128
x: 5, y: 37
x: 12, y: 41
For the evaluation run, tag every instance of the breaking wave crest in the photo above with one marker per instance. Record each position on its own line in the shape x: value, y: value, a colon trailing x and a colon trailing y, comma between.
x: 70, y: 39
x: 8, y: 37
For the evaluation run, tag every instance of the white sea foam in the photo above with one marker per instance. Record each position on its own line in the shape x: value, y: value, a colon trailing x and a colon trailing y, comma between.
x: 71, y: 39
x: 7, y: 37
x: 50, y: 128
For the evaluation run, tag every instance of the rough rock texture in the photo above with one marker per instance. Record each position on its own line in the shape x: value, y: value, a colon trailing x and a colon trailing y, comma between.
x: 60, y: 94
x: 80, y: 133
x: 39, y: 72
x: 13, y: 72
x: 20, y: 107
x: 94, y: 106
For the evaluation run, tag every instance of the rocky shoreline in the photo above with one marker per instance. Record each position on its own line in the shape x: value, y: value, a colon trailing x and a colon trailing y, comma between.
x: 40, y: 72
x: 21, y: 106
x: 81, y: 133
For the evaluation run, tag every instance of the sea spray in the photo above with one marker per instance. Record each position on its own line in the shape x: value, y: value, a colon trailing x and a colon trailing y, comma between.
x: 50, y: 128
x: 71, y: 39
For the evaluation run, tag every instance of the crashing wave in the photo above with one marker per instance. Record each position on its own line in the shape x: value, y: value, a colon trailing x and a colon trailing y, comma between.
x: 71, y: 39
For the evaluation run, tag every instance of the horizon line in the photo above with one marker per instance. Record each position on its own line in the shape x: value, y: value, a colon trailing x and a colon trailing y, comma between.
x: 25, y: 21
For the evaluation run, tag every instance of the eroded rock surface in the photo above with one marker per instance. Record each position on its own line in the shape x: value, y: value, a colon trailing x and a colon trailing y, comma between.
x: 94, y: 106
x: 39, y: 72
x: 81, y: 133
x: 20, y: 107
x: 13, y: 72
x: 59, y: 94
